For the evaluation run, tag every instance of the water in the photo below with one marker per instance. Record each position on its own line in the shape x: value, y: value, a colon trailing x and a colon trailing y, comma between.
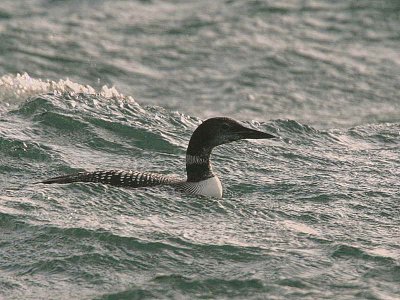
x: 88, y: 85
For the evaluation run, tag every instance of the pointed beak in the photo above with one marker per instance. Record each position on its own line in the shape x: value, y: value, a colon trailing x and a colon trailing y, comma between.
x: 248, y: 133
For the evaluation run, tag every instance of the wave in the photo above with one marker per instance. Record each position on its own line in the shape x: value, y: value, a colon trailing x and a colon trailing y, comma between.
x: 281, y: 197
x: 17, y: 88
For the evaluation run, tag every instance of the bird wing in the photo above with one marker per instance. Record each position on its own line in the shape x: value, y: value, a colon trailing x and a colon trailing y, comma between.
x: 130, y: 179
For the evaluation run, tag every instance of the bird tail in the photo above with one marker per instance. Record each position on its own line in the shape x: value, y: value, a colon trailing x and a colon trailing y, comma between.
x: 78, y: 177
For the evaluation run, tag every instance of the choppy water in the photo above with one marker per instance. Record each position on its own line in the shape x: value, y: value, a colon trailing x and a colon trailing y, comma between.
x: 314, y: 215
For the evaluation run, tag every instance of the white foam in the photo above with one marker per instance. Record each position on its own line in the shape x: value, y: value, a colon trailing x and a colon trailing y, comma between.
x: 17, y: 88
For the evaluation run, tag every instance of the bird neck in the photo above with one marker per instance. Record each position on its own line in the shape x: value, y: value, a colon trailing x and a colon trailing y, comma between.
x: 198, y: 165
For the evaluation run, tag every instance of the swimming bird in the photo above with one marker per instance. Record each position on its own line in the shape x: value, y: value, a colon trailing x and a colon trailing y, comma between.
x: 201, y: 179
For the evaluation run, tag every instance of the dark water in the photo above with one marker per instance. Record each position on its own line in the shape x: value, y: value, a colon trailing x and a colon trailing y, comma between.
x: 314, y: 215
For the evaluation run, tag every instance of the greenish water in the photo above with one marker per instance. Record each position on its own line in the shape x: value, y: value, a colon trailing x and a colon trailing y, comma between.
x: 314, y: 215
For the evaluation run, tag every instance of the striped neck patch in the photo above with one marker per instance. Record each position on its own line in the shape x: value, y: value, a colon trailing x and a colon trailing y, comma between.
x: 197, y: 160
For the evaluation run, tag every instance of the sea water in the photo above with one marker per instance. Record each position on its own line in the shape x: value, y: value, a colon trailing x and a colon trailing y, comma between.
x: 93, y: 85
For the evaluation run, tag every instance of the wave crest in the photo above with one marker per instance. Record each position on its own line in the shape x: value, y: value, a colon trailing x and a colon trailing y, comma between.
x: 17, y: 88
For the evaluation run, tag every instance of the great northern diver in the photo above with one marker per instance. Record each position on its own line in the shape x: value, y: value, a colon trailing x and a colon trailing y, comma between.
x: 201, y: 179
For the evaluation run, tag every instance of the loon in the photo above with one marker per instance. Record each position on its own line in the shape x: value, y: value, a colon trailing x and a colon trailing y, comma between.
x: 201, y: 179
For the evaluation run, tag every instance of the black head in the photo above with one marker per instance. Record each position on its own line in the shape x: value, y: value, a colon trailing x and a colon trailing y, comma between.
x: 221, y: 130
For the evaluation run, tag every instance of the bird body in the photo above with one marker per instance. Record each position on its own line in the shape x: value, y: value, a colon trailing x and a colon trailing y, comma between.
x: 201, y: 179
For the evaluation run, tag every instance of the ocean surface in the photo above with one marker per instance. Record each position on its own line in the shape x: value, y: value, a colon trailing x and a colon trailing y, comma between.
x: 97, y: 85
